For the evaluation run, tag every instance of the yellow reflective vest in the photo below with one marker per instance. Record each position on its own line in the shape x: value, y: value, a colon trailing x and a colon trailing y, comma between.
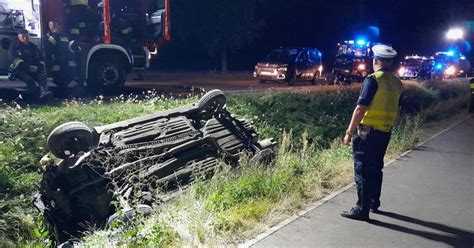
x: 382, y: 112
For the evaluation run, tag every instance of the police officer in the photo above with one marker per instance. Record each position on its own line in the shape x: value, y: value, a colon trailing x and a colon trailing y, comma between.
x: 27, y: 65
x: 60, y: 57
x: 372, y: 122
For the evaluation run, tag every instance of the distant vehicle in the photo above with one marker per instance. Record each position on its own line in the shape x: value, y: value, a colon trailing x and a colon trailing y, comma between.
x: 416, y: 67
x: 353, y: 62
x: 290, y: 65
x: 450, y: 64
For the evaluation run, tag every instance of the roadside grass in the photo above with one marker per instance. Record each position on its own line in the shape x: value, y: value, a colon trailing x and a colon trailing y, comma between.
x: 235, y: 204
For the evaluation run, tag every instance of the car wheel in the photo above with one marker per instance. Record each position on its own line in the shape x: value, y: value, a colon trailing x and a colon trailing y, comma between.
x: 212, y: 100
x: 127, y: 215
x: 107, y: 75
x: 291, y: 81
x: 315, y: 79
x: 264, y: 156
x: 70, y: 139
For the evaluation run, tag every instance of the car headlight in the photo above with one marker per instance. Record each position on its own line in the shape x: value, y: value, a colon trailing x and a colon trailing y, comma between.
x: 401, y: 71
x: 450, y: 71
x: 283, y: 69
x: 361, y: 67
x: 320, y: 69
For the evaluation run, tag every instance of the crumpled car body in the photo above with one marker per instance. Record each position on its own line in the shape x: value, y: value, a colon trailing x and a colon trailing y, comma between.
x: 143, y: 161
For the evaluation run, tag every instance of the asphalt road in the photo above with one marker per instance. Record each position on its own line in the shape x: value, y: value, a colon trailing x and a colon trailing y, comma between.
x: 427, y: 201
x: 180, y: 83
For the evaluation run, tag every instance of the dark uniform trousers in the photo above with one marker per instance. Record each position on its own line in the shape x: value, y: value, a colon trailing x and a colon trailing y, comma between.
x: 36, y: 82
x: 368, y: 155
x: 23, y: 56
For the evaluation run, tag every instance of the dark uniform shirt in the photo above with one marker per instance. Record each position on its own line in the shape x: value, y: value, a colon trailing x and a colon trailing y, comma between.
x: 369, y: 88
x: 58, y: 49
x: 29, y: 53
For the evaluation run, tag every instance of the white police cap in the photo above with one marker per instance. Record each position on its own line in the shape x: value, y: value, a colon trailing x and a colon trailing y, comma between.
x: 384, y: 51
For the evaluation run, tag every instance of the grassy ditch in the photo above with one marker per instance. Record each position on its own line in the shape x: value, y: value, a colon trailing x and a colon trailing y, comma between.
x: 236, y: 203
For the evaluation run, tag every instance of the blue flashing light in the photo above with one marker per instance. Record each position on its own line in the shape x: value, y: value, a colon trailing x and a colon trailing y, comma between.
x: 320, y: 54
x: 450, y: 53
x: 439, y: 66
x: 361, y: 42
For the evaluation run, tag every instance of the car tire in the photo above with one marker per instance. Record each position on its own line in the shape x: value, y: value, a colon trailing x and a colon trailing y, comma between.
x: 70, y: 139
x: 212, y: 101
x: 107, y: 75
x: 315, y: 79
x: 262, y: 157
x: 127, y: 215
x: 291, y: 81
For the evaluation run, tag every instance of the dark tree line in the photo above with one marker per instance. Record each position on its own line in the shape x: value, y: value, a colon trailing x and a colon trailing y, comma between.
x: 220, y: 26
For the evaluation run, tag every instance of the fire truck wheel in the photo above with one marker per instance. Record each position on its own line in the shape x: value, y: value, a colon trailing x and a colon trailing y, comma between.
x: 70, y: 139
x: 212, y: 100
x: 107, y: 75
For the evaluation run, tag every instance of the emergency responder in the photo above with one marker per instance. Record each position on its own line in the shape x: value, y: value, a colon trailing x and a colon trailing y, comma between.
x: 77, y: 18
x: 27, y: 65
x: 60, y: 58
x: 372, y: 122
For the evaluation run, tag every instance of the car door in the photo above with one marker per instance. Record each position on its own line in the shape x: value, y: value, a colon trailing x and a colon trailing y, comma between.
x: 303, y: 65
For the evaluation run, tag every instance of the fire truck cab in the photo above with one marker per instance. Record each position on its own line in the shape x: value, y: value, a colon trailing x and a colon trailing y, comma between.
x: 352, y: 61
x: 106, y: 57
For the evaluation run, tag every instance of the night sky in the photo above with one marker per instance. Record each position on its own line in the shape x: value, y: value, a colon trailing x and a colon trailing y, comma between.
x: 411, y: 26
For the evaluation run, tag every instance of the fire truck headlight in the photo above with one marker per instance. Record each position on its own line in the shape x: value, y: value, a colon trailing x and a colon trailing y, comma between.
x: 283, y: 69
x: 401, y: 71
x: 361, y: 67
x: 450, y: 71
x: 320, y: 69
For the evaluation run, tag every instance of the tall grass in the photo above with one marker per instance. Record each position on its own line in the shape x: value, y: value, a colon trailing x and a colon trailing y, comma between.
x: 236, y: 203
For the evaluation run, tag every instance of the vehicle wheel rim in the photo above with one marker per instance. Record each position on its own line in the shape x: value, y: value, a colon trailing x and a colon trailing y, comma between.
x: 109, y: 75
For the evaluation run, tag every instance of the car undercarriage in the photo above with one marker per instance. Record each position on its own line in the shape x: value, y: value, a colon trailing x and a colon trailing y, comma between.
x: 107, y: 171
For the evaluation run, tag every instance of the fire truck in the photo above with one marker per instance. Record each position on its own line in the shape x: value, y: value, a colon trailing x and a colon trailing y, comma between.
x: 352, y: 61
x: 105, y: 60
x: 450, y: 64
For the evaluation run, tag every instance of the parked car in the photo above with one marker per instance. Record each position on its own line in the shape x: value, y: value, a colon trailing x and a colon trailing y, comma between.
x: 141, y: 162
x: 289, y: 65
x: 415, y: 67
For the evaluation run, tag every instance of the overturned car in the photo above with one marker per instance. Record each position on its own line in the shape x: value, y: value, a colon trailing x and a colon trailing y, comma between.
x: 143, y: 161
